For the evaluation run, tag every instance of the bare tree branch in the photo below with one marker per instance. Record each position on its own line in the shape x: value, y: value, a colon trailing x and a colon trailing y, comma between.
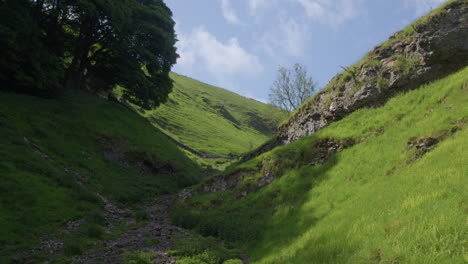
x: 291, y: 87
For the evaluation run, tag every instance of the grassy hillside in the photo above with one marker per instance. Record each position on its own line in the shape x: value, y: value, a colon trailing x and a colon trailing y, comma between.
x: 100, y: 140
x: 395, y: 191
x: 212, y: 120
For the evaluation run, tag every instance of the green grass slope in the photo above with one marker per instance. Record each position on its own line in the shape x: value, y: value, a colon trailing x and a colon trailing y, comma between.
x: 212, y: 120
x: 37, y: 197
x: 381, y: 200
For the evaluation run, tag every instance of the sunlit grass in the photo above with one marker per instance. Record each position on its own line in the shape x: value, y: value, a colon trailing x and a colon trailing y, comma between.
x: 212, y: 120
x: 370, y: 203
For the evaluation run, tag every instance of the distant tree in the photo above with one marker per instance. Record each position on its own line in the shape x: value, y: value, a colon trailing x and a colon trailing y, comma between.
x: 291, y: 87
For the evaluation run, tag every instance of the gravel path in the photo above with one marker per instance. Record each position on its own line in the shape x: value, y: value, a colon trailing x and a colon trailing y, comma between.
x: 156, y: 229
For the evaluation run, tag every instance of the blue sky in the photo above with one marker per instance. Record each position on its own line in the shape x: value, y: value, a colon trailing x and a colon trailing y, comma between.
x: 239, y: 44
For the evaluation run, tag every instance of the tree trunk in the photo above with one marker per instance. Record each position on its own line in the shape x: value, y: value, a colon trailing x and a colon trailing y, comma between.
x: 73, y: 79
x: 75, y: 74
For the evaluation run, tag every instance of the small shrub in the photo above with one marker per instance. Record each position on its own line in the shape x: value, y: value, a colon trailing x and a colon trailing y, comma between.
x: 381, y: 83
x: 96, y: 217
x: 93, y: 231
x: 406, y: 65
x: 203, y: 258
x: 139, y: 257
x: 141, y: 215
x: 73, y: 247
x: 374, y: 62
x: 152, y: 242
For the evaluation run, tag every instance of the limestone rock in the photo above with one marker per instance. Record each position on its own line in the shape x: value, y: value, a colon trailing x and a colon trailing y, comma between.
x: 436, y: 47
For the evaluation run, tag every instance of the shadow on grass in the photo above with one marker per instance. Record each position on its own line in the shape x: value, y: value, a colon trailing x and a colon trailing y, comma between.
x: 269, y: 220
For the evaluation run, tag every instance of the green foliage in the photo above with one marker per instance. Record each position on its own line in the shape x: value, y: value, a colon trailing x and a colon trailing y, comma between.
x: 93, y: 231
x: 233, y: 261
x: 202, y: 258
x: 138, y: 33
x: 139, y: 257
x: 197, y: 249
x: 152, y: 242
x: 88, y: 44
x: 406, y: 65
x: 370, y: 203
x: 141, y: 215
x: 212, y: 120
x: 28, y: 63
x: 374, y: 63
x: 381, y: 82
x: 38, y: 197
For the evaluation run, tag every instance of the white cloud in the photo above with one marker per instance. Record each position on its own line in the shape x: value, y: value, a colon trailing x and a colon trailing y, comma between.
x: 332, y: 13
x: 422, y: 6
x: 223, y: 61
x: 254, y: 5
x: 186, y: 55
x: 229, y: 13
x: 289, y: 37
x: 251, y: 95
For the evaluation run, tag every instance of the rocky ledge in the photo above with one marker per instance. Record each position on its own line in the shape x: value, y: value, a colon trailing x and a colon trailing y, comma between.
x: 431, y: 48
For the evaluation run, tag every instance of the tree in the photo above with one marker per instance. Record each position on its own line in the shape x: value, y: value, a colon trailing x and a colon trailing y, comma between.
x: 291, y: 88
x: 28, y: 63
x: 130, y: 43
x: 88, y: 44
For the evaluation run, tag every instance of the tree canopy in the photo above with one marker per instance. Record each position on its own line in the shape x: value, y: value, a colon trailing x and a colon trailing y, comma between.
x: 291, y: 87
x: 51, y: 45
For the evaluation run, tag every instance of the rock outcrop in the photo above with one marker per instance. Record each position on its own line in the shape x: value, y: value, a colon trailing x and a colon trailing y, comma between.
x: 431, y: 48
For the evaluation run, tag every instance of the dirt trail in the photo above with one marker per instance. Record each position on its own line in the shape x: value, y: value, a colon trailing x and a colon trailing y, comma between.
x: 157, y: 229
x: 153, y: 236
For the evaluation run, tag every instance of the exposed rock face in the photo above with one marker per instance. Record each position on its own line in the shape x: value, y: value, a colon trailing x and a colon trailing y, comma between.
x: 116, y: 150
x: 326, y: 147
x: 433, y: 48
x: 222, y: 182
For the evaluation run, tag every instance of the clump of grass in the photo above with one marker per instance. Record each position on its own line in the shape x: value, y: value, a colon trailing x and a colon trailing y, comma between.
x: 138, y: 257
x: 73, y: 247
x: 202, y: 258
x: 141, y: 215
x: 199, y: 249
x: 374, y: 63
x: 151, y: 241
x: 95, y: 217
x: 406, y: 65
x: 233, y: 261
x: 381, y: 83
x: 93, y: 230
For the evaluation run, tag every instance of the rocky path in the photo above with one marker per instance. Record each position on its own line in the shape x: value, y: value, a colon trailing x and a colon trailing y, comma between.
x: 151, y: 237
